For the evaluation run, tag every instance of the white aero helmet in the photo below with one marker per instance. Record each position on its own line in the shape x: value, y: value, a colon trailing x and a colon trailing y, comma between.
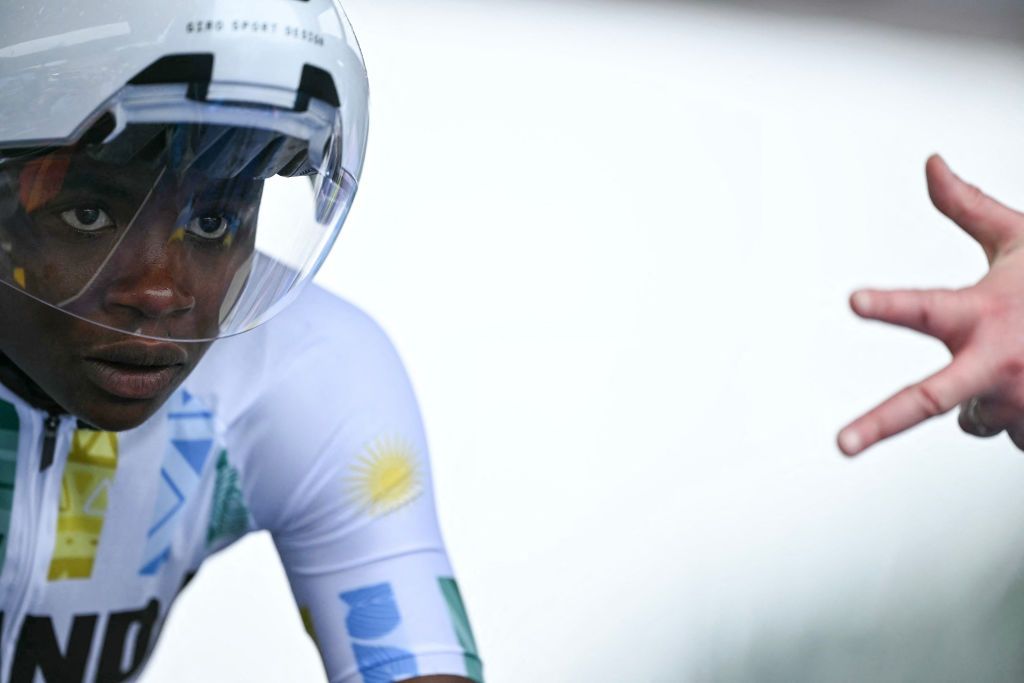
x: 175, y: 170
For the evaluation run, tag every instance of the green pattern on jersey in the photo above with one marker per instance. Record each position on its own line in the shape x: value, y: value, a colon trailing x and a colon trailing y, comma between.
x: 229, y: 517
x: 460, y: 622
x: 9, y: 425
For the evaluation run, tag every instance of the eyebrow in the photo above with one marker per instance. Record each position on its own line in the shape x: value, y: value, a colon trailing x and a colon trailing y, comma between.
x: 84, y: 182
x: 123, y: 185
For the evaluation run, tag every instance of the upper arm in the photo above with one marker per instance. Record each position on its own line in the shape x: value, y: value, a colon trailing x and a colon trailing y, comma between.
x: 344, y: 486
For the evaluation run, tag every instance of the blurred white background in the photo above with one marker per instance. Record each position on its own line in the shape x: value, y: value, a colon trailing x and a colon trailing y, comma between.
x: 613, y: 242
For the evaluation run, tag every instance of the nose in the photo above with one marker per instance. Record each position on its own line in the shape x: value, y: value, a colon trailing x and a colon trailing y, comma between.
x: 151, y: 299
x: 150, y: 290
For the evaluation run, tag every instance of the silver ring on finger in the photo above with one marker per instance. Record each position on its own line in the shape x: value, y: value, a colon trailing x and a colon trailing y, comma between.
x: 973, y: 415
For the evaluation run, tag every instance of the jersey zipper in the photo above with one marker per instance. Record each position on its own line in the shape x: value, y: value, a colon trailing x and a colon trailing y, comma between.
x: 50, y: 426
x: 38, y: 528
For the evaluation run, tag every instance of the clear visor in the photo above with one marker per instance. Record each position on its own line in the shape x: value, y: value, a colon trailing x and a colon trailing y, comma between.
x: 173, y: 219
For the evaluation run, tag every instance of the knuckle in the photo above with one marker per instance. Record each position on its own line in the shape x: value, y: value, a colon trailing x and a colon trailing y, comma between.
x: 929, y: 401
x: 1012, y: 368
x: 939, y: 315
x: 972, y: 202
x: 993, y: 304
x: 925, y: 318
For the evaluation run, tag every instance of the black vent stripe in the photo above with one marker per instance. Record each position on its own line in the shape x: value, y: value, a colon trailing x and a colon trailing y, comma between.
x: 316, y: 83
x: 185, y: 68
x: 196, y: 69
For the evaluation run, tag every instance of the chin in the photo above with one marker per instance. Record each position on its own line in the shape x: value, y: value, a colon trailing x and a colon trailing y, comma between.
x: 113, y: 414
x: 120, y: 420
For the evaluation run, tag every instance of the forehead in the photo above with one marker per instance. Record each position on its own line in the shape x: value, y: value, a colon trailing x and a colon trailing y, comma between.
x: 77, y: 170
x: 44, y: 178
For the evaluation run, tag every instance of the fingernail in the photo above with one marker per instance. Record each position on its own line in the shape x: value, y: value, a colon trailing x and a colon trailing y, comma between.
x: 862, y: 301
x: 850, y: 442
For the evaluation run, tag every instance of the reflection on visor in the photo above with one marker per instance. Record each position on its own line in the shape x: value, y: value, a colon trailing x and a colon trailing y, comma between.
x: 41, y: 179
x: 214, y: 151
x: 185, y: 231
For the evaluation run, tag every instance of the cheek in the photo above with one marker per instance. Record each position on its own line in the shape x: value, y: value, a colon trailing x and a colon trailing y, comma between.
x: 27, y: 322
x: 40, y: 344
x: 51, y: 270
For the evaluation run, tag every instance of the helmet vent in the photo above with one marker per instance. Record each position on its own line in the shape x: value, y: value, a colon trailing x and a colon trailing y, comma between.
x: 316, y: 83
x: 196, y: 69
x: 99, y: 131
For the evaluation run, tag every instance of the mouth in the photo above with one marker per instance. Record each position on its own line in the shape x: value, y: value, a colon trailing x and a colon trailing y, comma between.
x: 135, y: 370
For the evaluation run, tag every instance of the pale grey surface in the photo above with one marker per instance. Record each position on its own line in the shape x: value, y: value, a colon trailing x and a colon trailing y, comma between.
x: 992, y: 19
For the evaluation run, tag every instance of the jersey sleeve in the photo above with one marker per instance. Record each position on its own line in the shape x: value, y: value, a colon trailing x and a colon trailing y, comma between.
x: 339, y: 474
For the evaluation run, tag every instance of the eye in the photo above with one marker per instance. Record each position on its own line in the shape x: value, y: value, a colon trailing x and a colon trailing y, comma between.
x: 209, y: 227
x: 87, y: 218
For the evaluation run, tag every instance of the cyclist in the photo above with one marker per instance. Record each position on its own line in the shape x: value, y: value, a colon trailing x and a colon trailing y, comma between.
x: 172, y: 175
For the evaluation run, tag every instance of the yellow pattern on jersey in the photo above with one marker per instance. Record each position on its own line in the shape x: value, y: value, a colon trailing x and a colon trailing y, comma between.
x: 88, y: 475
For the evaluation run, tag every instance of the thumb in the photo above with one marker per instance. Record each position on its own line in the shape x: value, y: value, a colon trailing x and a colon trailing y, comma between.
x: 993, y: 225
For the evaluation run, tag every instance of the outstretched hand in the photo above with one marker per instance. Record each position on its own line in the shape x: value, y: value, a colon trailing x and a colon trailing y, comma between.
x: 982, y: 326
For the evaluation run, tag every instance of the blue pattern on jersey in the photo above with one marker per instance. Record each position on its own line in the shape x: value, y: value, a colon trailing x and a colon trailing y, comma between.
x: 384, y: 664
x: 373, y: 612
x: 191, y: 441
x: 169, y: 498
x: 194, y: 452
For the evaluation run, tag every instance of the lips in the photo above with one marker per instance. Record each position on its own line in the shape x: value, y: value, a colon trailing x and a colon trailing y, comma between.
x: 134, y: 370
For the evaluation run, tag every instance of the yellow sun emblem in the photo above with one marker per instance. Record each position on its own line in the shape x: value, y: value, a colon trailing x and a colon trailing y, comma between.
x: 386, y: 476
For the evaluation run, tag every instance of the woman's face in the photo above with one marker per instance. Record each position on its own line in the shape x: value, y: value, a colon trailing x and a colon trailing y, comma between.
x: 109, y: 253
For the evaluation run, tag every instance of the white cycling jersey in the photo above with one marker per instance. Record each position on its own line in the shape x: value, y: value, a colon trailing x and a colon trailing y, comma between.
x: 306, y: 427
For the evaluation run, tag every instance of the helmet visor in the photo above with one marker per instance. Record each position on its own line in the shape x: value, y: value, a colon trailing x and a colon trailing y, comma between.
x: 174, y: 219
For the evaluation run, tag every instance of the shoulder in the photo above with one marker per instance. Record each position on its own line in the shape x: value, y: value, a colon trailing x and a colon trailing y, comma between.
x: 320, y: 316
x: 321, y: 345
x: 332, y: 352
x: 303, y: 399
x: 317, y: 322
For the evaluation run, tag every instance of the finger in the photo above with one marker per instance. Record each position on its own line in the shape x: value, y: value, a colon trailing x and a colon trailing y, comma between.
x: 990, y: 223
x: 942, y: 313
x: 966, y: 376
